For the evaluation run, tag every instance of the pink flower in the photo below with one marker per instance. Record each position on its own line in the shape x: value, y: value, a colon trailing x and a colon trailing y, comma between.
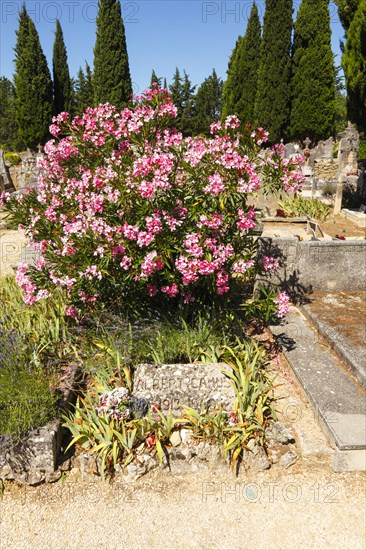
x: 242, y: 266
x: 269, y: 263
x: 118, y: 250
x: 214, y: 223
x: 215, y: 127
x: 215, y: 186
x: 152, y: 290
x: 150, y: 264
x: 282, y: 302
x: 171, y: 290
x: 222, y: 279
x: 260, y: 136
x: 246, y: 220
x: 232, y: 121
x: 71, y: 311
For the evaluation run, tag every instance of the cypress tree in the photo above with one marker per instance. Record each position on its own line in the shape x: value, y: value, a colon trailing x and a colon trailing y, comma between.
x: 208, y: 103
x: 182, y: 94
x: 248, y: 65
x: 272, y: 106
x: 354, y: 65
x: 111, y: 76
x: 83, y: 90
x: 154, y: 79
x: 8, y: 128
x: 61, y: 75
x: 313, y: 82
x: 33, y: 85
x: 230, y: 100
x: 346, y: 11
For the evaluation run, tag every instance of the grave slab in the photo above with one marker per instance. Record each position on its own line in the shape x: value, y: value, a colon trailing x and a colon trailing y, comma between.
x: 338, y: 398
x: 194, y: 385
x: 341, y: 318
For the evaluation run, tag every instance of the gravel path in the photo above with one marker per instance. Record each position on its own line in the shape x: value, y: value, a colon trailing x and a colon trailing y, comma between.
x: 307, y: 507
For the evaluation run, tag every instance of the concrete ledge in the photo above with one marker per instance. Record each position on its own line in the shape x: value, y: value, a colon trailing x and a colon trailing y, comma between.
x: 354, y: 358
x: 337, y: 397
x: 349, y: 461
x: 359, y: 218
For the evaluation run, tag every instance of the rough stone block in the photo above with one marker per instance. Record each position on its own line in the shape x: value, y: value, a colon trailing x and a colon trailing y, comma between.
x: 34, y: 458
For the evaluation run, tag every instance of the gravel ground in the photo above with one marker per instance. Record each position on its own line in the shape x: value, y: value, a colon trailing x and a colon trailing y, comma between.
x: 309, y: 507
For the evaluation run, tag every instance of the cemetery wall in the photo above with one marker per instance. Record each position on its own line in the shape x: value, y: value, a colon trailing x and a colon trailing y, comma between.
x: 317, y: 265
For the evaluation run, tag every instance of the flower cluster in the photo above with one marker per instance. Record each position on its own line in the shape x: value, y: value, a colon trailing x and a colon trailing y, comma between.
x: 282, y: 302
x: 125, y: 205
x: 270, y: 264
x: 115, y: 404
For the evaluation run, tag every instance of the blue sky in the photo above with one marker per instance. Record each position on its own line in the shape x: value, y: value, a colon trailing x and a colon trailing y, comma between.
x: 194, y: 35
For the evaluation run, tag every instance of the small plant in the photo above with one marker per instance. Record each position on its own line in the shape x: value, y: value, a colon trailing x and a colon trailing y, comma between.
x: 12, y: 159
x: 301, y: 206
x: 113, y: 431
x: 329, y: 189
x: 253, y: 404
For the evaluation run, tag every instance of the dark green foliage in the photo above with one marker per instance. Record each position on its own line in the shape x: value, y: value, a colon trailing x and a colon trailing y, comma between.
x: 354, y: 65
x: 241, y: 86
x: 33, y: 85
x: 182, y: 93
x: 313, y: 82
x: 61, y: 75
x: 208, y: 103
x: 346, y: 11
x: 155, y: 79
x: 8, y: 128
x: 230, y: 86
x: 111, y: 76
x: 83, y: 95
x: 340, y: 112
x: 272, y: 108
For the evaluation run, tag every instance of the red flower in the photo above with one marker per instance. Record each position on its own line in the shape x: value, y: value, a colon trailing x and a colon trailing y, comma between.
x: 151, y: 440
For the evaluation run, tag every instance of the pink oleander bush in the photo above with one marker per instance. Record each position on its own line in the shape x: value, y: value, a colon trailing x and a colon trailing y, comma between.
x: 126, y: 207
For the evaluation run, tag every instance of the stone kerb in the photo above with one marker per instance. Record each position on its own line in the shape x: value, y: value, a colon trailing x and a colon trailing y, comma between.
x: 172, y: 387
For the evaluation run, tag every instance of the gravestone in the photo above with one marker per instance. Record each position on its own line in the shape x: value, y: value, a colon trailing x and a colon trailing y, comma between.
x: 6, y: 181
x: 348, y: 150
x: 289, y: 150
x: 172, y: 387
x: 307, y: 142
x: 328, y: 149
x: 307, y: 171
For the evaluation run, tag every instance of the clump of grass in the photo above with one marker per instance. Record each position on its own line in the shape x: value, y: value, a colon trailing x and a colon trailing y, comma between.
x: 31, y: 337
x: 26, y: 399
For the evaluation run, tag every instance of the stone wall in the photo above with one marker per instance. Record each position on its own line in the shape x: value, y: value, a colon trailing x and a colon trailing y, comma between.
x: 327, y: 170
x: 317, y: 265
